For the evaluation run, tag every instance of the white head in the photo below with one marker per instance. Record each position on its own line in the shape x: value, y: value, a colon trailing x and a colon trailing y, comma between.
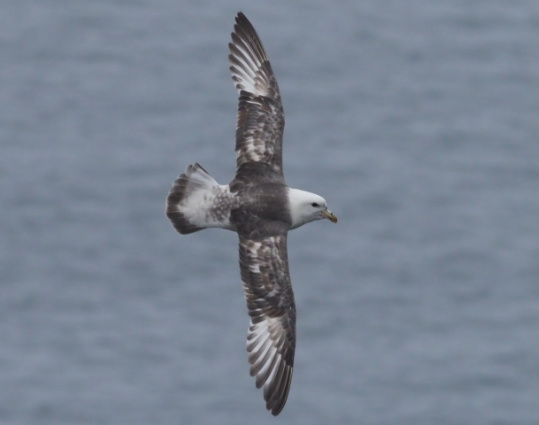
x: 306, y: 207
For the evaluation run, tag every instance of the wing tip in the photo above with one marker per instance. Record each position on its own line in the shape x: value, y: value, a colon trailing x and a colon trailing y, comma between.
x: 272, y: 364
x: 276, y: 400
x: 249, y: 61
x: 242, y: 19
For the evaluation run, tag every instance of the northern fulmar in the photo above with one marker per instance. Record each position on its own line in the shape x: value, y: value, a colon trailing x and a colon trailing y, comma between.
x: 261, y: 208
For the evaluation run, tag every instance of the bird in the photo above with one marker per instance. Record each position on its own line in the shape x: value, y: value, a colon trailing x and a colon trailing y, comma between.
x: 261, y: 208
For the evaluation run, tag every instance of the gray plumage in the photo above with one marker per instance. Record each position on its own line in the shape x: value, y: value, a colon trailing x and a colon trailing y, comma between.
x: 261, y: 208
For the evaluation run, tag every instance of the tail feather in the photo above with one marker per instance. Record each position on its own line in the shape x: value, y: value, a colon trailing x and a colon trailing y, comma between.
x: 192, y: 200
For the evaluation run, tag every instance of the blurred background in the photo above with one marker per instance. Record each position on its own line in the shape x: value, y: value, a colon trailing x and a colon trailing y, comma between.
x: 417, y: 121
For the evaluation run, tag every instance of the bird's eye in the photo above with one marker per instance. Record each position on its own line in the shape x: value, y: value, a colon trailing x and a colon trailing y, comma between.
x: 315, y: 205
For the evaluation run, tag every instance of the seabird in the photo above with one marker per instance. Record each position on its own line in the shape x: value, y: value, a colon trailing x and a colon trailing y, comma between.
x: 261, y: 208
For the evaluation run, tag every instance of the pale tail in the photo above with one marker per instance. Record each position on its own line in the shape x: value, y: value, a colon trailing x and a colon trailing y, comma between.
x: 196, y: 201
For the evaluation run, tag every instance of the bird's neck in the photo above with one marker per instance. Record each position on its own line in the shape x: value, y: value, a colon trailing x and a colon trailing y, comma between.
x: 296, y: 200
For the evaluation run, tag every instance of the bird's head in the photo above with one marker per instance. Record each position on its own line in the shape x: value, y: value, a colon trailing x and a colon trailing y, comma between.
x: 306, y: 207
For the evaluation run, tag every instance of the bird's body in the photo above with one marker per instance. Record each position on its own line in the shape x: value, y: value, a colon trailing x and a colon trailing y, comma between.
x: 261, y: 208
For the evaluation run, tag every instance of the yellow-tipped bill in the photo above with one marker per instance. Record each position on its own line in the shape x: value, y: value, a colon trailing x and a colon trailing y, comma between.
x: 329, y: 215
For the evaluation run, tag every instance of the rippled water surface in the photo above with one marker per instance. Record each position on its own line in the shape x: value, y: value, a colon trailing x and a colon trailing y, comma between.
x: 417, y: 121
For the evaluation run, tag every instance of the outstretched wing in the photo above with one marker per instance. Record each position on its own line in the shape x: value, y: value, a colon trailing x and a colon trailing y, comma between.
x: 260, y: 122
x: 271, y: 338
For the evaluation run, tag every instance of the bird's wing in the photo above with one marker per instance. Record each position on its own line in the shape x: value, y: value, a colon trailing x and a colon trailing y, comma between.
x: 260, y: 122
x: 271, y: 338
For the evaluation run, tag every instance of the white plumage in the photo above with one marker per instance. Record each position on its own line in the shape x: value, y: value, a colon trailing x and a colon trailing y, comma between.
x: 261, y: 208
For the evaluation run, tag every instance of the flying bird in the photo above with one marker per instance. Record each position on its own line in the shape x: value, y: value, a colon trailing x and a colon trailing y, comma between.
x: 261, y: 208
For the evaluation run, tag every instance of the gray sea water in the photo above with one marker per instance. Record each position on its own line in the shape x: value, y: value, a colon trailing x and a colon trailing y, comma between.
x: 417, y: 121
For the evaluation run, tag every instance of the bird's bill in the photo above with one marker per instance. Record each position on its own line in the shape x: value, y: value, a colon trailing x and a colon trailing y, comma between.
x: 329, y: 215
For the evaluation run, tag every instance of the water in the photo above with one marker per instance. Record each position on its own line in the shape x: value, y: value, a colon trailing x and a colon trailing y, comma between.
x: 416, y: 120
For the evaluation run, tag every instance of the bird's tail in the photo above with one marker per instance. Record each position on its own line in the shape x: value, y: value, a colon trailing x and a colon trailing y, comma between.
x: 196, y: 201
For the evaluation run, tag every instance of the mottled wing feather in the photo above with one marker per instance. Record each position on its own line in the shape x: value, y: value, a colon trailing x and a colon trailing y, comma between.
x: 271, y: 337
x: 260, y: 122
